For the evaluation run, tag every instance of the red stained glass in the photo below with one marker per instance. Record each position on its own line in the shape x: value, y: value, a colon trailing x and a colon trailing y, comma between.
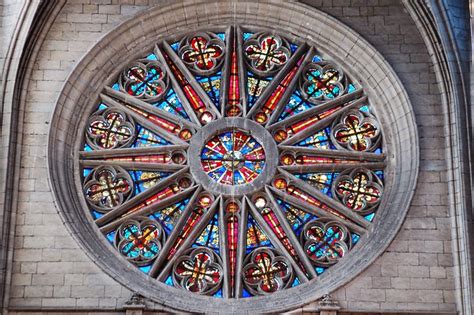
x: 202, y: 53
x: 272, y: 221
x: 164, y: 123
x: 232, y: 243
x: 163, y: 194
x: 196, y: 216
x: 292, y: 190
x: 303, y: 124
x: 274, y: 99
x: 356, y: 133
x: 233, y: 102
x: 158, y: 158
x: 202, y: 112
x: 302, y: 159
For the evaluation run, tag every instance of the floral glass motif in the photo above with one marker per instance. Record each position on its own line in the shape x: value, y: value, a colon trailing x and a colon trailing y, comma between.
x: 145, y: 80
x: 110, y: 129
x: 108, y: 187
x: 359, y: 190
x: 202, y: 53
x: 266, y: 272
x: 320, y: 199
x: 233, y: 158
x: 140, y: 240
x: 325, y: 243
x: 322, y: 82
x: 198, y: 272
x: 266, y: 52
x: 356, y: 132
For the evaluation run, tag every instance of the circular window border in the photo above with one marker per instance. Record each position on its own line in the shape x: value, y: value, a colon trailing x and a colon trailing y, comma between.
x: 132, y: 38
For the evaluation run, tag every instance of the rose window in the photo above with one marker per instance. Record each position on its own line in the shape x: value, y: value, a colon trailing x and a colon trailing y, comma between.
x: 233, y: 164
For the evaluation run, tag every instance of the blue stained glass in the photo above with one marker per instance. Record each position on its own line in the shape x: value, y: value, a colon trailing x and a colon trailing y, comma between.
x: 144, y: 180
x: 145, y: 269
x: 296, y: 217
x: 316, y: 59
x: 146, y: 138
x: 152, y: 57
x: 111, y: 237
x: 319, y: 270
x: 238, y: 178
x: 211, y: 85
x: 321, y: 181
x: 102, y: 106
x: 218, y: 293
x: 355, y: 238
x: 169, y: 216
x: 295, y: 282
x: 247, y: 35
x: 210, y: 236
x: 221, y: 36
x: 116, y: 86
x: 320, y: 140
x: 175, y: 46
x: 370, y: 217
x: 295, y: 105
x: 169, y: 281
x: 365, y: 109
x: 172, y: 105
x: 379, y: 175
x: 378, y: 150
x: 246, y: 294
x: 294, y: 47
x: 255, y: 236
x: 86, y: 172
x: 96, y: 215
x: 351, y: 88
x: 87, y: 148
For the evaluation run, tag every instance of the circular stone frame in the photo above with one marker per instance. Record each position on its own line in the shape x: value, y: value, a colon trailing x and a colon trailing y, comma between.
x: 133, y: 38
x: 225, y: 124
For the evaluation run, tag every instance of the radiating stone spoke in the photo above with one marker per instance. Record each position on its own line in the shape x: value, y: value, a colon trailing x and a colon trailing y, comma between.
x: 140, y: 198
x: 142, y: 105
x: 282, y: 242
x: 320, y: 119
x: 143, y: 121
x: 197, y: 99
x: 337, y: 154
x: 172, y: 250
x: 158, y: 167
x: 291, y: 87
x: 328, y: 204
x: 131, y: 152
x: 295, y: 128
x: 265, y: 104
x: 296, y: 159
x: 314, y: 210
x: 149, y: 209
x: 289, y: 232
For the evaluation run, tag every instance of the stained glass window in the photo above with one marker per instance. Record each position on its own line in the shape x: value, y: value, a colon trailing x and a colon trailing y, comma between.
x: 233, y: 164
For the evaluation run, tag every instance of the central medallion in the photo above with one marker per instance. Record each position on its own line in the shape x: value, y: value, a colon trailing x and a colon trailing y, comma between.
x: 233, y: 157
x: 229, y: 156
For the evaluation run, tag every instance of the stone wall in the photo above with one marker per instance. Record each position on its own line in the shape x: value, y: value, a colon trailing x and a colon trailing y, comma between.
x: 415, y: 273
